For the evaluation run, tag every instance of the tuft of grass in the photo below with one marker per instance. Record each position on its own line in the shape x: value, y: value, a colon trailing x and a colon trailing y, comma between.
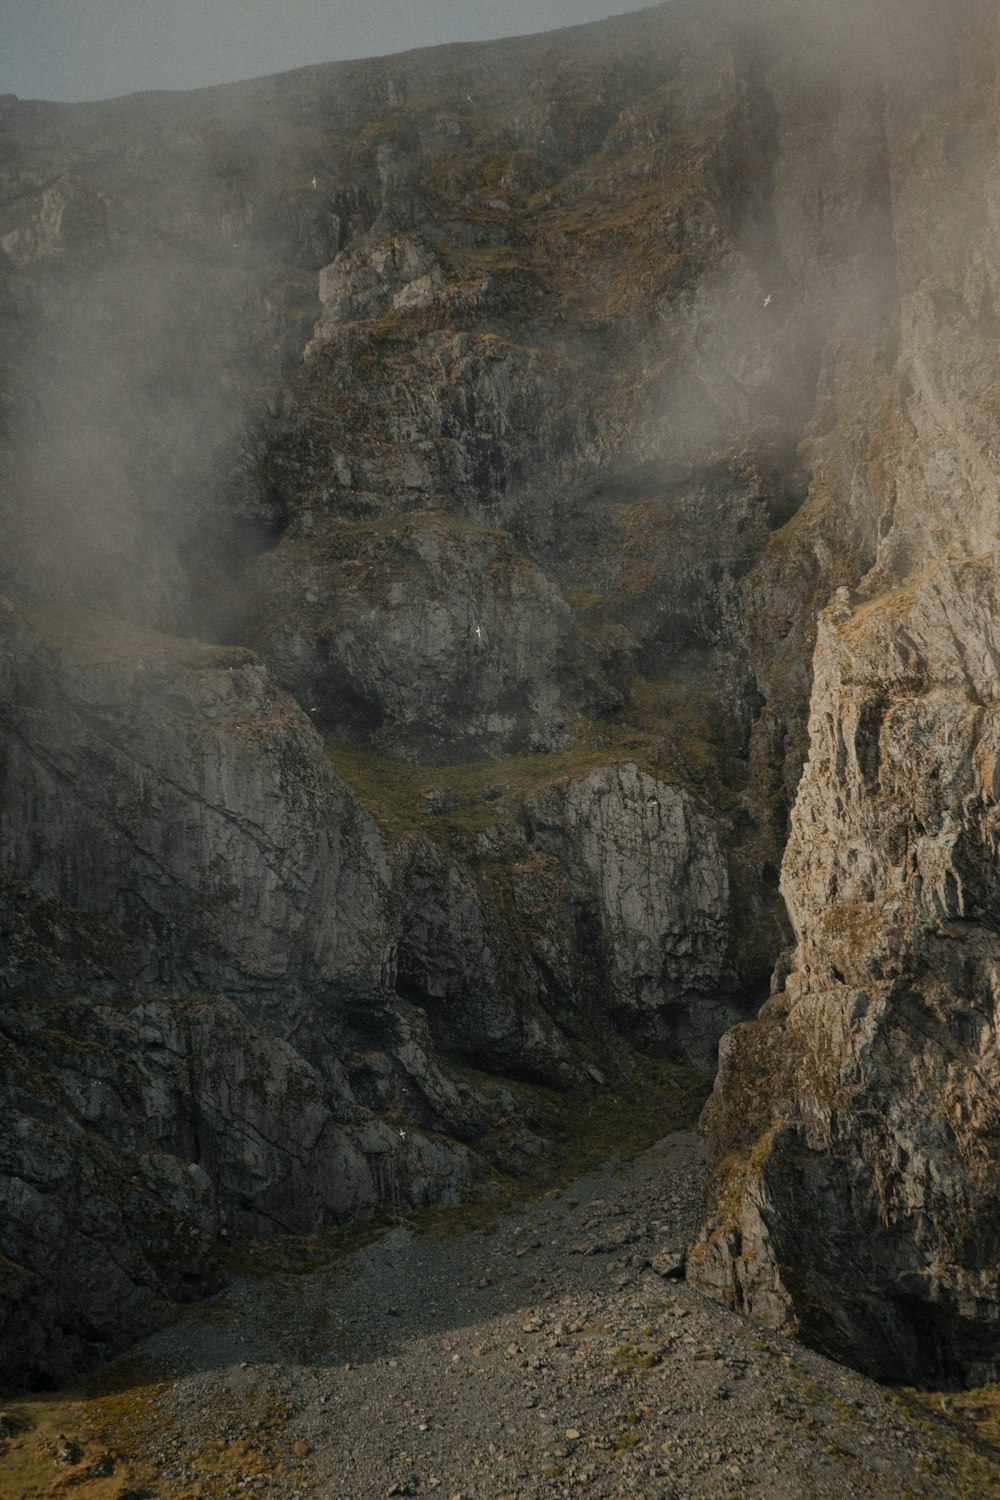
x: 628, y: 1357
x: 488, y: 793
x: 628, y: 1434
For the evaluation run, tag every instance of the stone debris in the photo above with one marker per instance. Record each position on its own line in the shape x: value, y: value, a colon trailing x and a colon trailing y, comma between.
x: 589, y: 1388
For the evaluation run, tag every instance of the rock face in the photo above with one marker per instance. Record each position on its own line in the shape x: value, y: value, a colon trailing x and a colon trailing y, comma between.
x: 535, y: 430
x: 166, y: 786
x: 444, y: 640
x: 173, y: 828
x: 655, y: 864
x: 225, y: 985
x: 864, y: 1212
x: 855, y: 1195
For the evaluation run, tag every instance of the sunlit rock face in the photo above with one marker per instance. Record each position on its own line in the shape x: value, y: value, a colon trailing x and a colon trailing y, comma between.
x: 434, y: 492
x: 856, y: 1189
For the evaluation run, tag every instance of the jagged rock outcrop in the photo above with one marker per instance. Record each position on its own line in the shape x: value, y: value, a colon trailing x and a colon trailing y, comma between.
x: 604, y: 899
x: 855, y: 1193
x: 167, y: 786
x: 364, y: 284
x: 856, y: 1118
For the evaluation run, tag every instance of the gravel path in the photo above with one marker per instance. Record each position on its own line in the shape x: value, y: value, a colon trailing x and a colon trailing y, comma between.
x: 557, y: 1356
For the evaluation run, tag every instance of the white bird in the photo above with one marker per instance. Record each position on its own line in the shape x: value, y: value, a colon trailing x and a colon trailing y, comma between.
x: 479, y: 632
x: 315, y: 183
x: 402, y: 1135
x: 767, y: 300
x: 469, y: 97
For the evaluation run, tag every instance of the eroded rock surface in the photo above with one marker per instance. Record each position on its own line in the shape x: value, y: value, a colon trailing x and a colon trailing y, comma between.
x: 854, y: 1121
x: 509, y: 417
x: 865, y: 1210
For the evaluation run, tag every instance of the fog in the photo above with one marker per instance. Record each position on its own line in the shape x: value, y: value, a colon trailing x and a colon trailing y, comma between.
x: 157, y: 253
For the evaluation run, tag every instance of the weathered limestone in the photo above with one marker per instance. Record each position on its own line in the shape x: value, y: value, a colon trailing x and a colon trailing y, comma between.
x: 855, y: 1120
x: 854, y: 1123
x: 365, y: 283
x: 169, y: 786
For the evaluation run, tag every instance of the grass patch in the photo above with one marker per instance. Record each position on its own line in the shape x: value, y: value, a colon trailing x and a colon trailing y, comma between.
x: 967, y: 1463
x: 634, y: 1360
x: 483, y: 794
x: 672, y: 730
x: 91, y: 1442
x: 95, y: 640
x: 75, y: 1442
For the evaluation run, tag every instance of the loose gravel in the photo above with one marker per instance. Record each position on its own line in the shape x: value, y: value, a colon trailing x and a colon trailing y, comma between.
x: 560, y: 1355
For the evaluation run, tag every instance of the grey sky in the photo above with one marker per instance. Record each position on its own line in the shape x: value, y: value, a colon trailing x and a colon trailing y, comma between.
x: 95, y: 49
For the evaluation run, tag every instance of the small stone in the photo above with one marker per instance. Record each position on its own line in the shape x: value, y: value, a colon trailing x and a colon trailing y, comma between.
x: 67, y: 1450
x: 670, y: 1263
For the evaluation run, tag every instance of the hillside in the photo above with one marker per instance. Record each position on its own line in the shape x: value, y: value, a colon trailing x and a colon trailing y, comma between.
x: 462, y: 510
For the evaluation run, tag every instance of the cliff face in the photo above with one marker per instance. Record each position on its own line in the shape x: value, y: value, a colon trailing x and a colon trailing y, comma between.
x: 516, y: 421
x: 854, y: 1121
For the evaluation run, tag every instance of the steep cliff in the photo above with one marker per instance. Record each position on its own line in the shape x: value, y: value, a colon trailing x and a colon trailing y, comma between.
x: 507, y: 418
x: 856, y: 1182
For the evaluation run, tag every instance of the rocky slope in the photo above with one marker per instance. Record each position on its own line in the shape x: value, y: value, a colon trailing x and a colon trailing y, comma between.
x: 507, y: 418
x: 551, y: 1352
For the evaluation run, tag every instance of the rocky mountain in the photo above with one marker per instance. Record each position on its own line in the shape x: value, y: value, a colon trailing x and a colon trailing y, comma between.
x: 458, y: 509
